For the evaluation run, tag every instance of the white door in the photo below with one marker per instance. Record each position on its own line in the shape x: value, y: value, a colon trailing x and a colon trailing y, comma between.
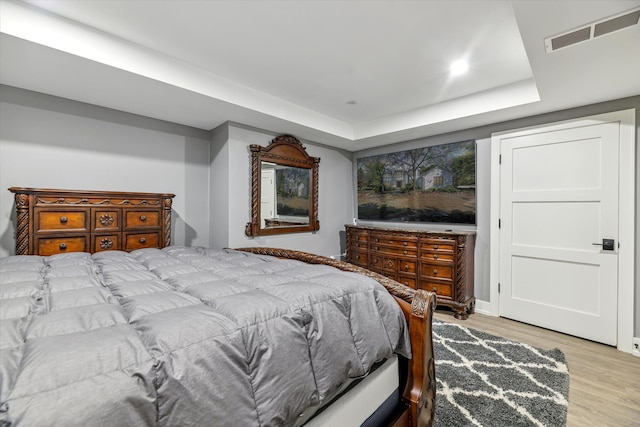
x: 558, y: 201
x: 267, y: 195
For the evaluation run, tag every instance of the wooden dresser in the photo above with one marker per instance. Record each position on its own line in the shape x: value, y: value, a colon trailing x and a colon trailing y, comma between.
x: 51, y: 222
x: 438, y: 261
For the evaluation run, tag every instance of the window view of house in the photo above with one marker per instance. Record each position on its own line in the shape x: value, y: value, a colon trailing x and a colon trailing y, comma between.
x: 429, y: 184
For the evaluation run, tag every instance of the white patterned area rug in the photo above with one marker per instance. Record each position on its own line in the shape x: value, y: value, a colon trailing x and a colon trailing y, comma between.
x: 484, y: 380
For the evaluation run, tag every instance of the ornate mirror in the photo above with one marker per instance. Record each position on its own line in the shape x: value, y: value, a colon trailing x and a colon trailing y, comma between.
x: 284, y: 188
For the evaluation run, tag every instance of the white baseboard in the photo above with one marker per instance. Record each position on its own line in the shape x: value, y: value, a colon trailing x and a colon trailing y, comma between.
x: 484, y: 307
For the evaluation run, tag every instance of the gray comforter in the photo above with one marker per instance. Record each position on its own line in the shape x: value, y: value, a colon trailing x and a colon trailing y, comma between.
x: 183, y: 336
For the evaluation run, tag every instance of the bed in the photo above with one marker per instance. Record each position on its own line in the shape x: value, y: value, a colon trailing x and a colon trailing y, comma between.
x: 199, y: 336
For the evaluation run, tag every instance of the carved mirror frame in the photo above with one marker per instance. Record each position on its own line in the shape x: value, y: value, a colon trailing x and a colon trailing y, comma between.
x: 284, y: 150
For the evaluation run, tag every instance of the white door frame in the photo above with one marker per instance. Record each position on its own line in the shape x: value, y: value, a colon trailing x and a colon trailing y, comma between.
x: 626, y: 254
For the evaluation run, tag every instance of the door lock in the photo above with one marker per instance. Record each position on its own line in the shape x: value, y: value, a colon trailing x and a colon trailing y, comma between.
x: 607, y: 244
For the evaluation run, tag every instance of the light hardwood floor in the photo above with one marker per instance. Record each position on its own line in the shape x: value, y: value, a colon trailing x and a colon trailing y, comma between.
x: 604, y: 387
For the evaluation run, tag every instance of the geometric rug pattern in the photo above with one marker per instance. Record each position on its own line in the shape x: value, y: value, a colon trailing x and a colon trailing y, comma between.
x: 486, y: 381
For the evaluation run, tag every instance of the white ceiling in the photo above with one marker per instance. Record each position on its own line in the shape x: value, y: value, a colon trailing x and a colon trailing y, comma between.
x: 351, y: 74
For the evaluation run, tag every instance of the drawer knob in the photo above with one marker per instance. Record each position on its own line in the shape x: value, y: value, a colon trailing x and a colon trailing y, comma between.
x: 435, y: 271
x: 143, y: 240
x: 106, y: 243
x: 106, y: 220
x: 435, y: 289
x: 63, y: 246
x: 375, y: 261
x: 143, y: 218
x: 405, y: 252
x: 63, y: 219
x: 404, y: 243
x: 377, y: 249
x: 435, y: 246
x: 406, y: 266
x: 390, y: 263
x: 435, y: 256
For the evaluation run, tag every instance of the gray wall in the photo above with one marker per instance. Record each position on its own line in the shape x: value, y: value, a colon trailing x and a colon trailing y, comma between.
x: 51, y: 142
x: 483, y: 170
x: 231, y: 193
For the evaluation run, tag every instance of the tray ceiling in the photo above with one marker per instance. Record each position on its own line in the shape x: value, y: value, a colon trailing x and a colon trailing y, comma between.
x: 351, y: 74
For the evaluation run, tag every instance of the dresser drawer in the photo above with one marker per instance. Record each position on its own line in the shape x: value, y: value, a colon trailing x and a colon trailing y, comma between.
x: 106, y: 242
x: 360, y: 237
x: 439, y: 271
x: 390, y: 264
x: 437, y: 256
x: 57, y: 220
x: 359, y: 245
x: 106, y: 220
x: 442, y: 289
x: 440, y: 245
x: 406, y: 266
x: 359, y: 258
x: 394, y: 250
x: 58, y: 245
x: 407, y: 280
x: 141, y: 219
x: 376, y: 262
x: 387, y: 239
x: 135, y: 241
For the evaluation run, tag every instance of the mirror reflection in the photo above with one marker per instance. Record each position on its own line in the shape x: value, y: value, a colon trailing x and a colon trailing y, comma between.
x: 284, y: 195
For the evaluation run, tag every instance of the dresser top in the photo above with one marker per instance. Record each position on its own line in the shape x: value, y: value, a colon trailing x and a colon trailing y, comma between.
x: 57, y: 192
x: 411, y: 230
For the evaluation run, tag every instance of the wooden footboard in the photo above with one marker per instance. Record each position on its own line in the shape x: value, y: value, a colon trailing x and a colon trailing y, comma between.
x: 417, y: 305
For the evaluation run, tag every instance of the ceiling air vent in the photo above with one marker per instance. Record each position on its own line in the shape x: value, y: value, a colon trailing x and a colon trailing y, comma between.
x: 590, y: 31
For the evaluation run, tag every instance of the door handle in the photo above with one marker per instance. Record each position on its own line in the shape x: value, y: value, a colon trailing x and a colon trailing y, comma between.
x: 607, y: 244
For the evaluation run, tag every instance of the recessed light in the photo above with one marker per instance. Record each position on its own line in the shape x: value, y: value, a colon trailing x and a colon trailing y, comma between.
x: 351, y: 102
x: 459, y: 67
